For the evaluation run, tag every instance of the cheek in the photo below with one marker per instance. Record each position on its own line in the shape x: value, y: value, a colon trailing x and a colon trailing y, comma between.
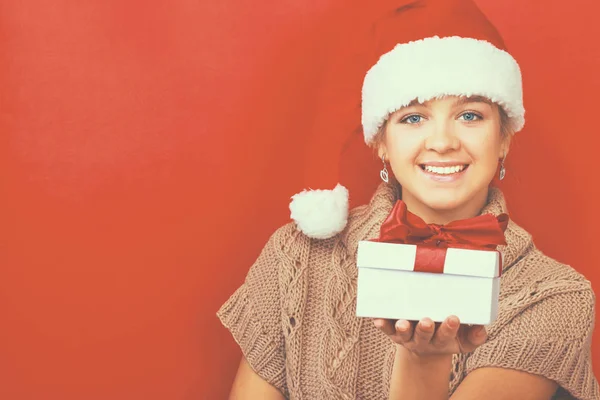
x: 483, y: 147
x: 403, y: 148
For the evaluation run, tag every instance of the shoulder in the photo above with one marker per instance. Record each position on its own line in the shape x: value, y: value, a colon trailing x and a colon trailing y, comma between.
x: 290, y: 252
x: 545, y: 324
x: 536, y: 269
x: 546, y: 298
x: 289, y: 241
x: 531, y: 271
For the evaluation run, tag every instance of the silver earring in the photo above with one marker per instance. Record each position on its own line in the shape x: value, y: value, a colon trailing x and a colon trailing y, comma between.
x: 384, y: 172
x: 502, y: 169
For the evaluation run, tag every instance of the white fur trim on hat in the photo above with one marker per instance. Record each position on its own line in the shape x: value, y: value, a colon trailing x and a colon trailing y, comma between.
x: 320, y: 214
x: 436, y: 67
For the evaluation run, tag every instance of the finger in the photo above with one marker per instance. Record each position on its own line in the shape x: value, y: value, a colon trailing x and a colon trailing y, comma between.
x: 477, y: 335
x: 385, y: 325
x: 404, y: 331
x: 423, y: 332
x: 447, y: 331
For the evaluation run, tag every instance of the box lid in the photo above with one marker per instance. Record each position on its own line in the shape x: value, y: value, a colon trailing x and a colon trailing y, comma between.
x: 402, y: 257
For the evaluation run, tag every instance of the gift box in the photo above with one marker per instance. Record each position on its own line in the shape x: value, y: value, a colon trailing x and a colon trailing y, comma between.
x: 393, y: 284
x: 416, y: 270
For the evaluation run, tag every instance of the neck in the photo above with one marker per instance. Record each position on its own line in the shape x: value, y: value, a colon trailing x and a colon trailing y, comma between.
x: 430, y: 215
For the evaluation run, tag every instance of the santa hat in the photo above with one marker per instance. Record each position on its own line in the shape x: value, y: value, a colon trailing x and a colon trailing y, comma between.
x: 398, y: 52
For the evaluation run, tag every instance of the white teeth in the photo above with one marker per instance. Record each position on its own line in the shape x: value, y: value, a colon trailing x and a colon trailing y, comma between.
x: 444, y: 170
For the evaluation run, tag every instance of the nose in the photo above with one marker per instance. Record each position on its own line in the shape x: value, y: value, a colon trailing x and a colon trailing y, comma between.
x: 442, y: 137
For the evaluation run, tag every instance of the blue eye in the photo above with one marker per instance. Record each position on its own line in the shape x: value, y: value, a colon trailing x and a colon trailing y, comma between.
x: 412, y: 119
x: 470, y: 117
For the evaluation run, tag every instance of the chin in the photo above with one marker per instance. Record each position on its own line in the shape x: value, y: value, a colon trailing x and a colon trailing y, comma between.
x: 443, y: 200
x: 440, y: 204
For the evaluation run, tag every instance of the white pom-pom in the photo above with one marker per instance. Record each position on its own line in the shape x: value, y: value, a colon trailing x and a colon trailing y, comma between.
x: 320, y: 214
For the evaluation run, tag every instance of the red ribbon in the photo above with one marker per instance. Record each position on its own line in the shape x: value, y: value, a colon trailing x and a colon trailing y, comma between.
x: 483, y: 232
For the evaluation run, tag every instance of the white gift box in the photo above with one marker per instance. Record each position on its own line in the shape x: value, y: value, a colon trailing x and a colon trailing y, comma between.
x: 389, y: 286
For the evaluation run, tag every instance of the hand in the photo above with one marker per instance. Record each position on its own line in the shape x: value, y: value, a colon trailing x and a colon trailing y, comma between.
x: 428, y: 338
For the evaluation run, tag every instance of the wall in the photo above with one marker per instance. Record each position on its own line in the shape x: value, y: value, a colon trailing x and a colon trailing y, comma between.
x: 148, y: 149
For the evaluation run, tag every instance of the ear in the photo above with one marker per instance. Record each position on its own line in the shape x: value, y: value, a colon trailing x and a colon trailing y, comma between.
x: 381, y: 149
x: 505, y: 145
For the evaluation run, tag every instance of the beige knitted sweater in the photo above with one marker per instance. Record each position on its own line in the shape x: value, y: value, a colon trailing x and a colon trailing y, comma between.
x: 294, y: 317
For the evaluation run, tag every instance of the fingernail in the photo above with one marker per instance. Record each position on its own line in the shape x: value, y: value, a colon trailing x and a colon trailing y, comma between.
x: 377, y: 323
x: 426, y: 324
x: 453, y: 322
x: 403, y: 325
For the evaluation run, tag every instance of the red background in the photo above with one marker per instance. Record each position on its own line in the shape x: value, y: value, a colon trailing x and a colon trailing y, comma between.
x: 148, y: 149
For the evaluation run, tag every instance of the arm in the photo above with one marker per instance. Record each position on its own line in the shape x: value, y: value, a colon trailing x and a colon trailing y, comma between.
x: 491, y: 384
x: 423, y: 363
x: 423, y: 359
x: 249, y: 385
x: 429, y: 379
x: 546, y: 345
x: 415, y: 377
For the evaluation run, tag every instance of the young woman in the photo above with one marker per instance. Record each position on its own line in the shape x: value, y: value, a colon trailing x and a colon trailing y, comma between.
x: 440, y: 104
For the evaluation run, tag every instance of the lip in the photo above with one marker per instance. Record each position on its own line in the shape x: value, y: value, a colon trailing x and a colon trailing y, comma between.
x: 444, y: 178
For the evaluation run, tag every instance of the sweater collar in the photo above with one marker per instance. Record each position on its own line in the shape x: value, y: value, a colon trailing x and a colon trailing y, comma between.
x: 366, y: 222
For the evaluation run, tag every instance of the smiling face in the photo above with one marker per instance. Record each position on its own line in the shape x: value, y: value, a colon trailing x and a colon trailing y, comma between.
x: 444, y: 153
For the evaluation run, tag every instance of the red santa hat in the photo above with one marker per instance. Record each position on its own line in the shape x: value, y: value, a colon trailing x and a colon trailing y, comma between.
x: 397, y: 52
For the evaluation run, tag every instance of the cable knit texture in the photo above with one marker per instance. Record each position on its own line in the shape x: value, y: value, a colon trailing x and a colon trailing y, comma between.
x: 294, y: 316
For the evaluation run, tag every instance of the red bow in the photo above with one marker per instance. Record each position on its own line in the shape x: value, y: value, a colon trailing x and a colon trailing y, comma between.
x: 483, y: 232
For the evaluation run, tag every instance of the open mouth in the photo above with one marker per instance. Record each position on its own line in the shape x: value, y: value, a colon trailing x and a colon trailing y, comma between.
x: 446, y: 170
